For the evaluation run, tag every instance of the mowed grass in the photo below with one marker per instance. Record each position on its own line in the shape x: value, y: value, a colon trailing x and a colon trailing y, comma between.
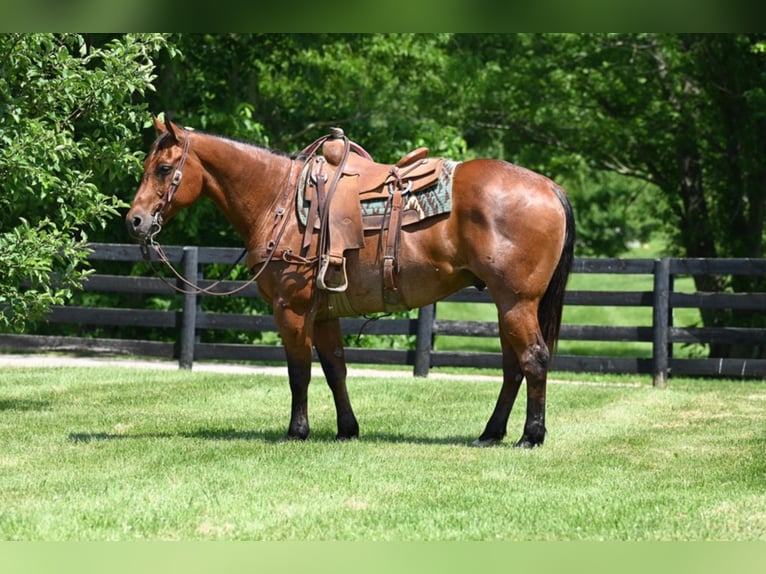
x: 109, y: 453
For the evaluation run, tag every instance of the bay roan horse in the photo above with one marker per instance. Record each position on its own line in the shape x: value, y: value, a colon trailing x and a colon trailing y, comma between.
x: 509, y: 229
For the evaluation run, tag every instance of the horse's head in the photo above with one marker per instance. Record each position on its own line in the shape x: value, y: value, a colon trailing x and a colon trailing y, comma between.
x: 172, y: 180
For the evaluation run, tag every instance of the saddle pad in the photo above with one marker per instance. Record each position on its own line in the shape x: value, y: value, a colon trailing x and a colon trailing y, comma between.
x: 417, y: 206
x: 423, y: 204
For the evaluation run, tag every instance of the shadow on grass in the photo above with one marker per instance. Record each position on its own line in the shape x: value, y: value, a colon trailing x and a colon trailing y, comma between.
x: 24, y: 405
x: 204, y: 434
x: 269, y: 436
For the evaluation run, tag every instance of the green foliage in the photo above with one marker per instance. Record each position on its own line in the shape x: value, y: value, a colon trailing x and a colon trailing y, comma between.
x: 613, y: 211
x: 684, y: 112
x: 670, y: 121
x: 283, y: 91
x: 68, y: 120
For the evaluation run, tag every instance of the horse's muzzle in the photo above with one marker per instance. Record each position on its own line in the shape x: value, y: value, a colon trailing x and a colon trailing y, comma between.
x: 141, y: 226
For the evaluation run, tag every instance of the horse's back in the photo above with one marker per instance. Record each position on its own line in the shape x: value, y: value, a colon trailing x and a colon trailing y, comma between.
x: 505, y: 230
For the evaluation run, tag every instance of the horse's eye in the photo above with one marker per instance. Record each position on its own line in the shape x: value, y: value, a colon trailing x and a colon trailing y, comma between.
x: 164, y: 169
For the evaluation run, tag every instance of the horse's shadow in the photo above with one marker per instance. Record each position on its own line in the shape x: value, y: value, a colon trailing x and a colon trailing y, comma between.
x: 22, y: 405
x: 265, y: 436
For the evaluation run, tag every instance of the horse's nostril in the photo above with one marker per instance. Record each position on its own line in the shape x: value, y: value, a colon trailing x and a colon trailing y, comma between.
x: 137, y: 221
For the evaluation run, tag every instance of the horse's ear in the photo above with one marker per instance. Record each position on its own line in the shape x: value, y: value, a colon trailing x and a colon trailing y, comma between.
x: 159, y: 126
x: 171, y: 128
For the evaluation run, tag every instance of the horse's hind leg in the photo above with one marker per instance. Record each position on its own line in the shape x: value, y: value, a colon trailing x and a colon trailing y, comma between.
x: 328, y: 341
x: 524, y: 355
x: 534, y: 356
x: 535, y: 359
x: 497, y: 425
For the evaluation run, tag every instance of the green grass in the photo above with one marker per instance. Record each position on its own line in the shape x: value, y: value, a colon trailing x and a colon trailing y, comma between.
x: 121, y: 454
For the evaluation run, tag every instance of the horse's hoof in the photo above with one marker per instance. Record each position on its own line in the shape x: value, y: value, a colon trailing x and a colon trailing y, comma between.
x: 345, y: 438
x: 294, y: 438
x: 526, y: 443
x: 486, y: 442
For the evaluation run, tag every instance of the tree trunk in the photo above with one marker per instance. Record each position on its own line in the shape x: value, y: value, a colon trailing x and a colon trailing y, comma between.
x: 697, y: 235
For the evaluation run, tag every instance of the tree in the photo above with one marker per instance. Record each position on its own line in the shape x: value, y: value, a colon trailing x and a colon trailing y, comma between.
x: 647, y: 131
x: 68, y: 125
x: 283, y: 91
x: 684, y: 113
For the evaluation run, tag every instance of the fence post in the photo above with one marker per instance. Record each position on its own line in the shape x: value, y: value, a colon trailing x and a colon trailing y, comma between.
x: 187, y: 336
x: 661, y: 322
x: 424, y: 340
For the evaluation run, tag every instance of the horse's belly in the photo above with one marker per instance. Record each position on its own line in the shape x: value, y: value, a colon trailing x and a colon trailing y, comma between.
x: 417, y: 284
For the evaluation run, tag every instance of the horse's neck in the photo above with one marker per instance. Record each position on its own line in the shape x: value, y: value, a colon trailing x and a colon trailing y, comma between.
x: 245, y: 182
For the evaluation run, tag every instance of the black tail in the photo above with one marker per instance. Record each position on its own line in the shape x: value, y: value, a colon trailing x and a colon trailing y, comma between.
x: 552, y: 303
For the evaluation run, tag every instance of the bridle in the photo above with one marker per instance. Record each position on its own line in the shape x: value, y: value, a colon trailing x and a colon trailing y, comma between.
x: 174, y: 183
x: 164, y: 203
x: 150, y: 240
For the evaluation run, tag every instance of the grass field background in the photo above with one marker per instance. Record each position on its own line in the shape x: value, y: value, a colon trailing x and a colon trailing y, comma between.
x: 123, y: 454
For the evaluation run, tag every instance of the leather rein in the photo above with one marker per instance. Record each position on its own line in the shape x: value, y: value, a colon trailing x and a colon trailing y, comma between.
x: 194, y: 289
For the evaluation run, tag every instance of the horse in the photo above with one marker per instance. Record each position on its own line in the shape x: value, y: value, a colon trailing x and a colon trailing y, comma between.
x: 509, y: 230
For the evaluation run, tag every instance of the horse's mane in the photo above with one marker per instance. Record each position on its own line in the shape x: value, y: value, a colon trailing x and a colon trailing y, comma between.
x: 164, y: 140
x: 244, y: 143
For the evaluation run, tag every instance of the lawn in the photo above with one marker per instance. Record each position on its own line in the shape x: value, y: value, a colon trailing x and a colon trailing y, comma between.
x: 109, y: 453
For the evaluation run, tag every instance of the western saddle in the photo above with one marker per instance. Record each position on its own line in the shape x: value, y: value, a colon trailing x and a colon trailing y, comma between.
x: 335, y: 183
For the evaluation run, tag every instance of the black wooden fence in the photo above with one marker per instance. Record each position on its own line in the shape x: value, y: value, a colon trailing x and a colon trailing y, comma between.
x: 190, y: 320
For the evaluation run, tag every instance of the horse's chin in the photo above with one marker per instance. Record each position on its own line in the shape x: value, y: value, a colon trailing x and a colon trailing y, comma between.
x: 140, y: 237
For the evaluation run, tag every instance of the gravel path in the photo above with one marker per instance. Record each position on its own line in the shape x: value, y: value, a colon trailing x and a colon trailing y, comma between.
x: 60, y: 360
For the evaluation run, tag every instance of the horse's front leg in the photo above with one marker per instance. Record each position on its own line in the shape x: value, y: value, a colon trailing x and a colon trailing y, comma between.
x: 296, y: 338
x: 328, y: 341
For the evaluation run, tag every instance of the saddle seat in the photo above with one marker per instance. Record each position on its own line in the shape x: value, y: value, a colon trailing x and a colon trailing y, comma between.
x: 372, y: 179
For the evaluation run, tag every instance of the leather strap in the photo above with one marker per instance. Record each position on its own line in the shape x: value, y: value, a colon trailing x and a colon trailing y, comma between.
x: 391, y: 295
x: 318, y: 178
x: 175, y: 182
x: 325, y: 241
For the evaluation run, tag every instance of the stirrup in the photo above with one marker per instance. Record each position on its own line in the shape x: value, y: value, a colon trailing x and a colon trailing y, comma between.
x: 324, y: 264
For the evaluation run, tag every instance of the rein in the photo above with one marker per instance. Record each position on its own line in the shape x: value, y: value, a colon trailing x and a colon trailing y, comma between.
x: 194, y: 289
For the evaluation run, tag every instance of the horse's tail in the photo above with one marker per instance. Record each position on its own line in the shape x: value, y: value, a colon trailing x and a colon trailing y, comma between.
x: 551, y: 306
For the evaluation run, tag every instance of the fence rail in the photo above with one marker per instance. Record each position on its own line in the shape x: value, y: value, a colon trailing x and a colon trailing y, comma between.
x: 190, y: 320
